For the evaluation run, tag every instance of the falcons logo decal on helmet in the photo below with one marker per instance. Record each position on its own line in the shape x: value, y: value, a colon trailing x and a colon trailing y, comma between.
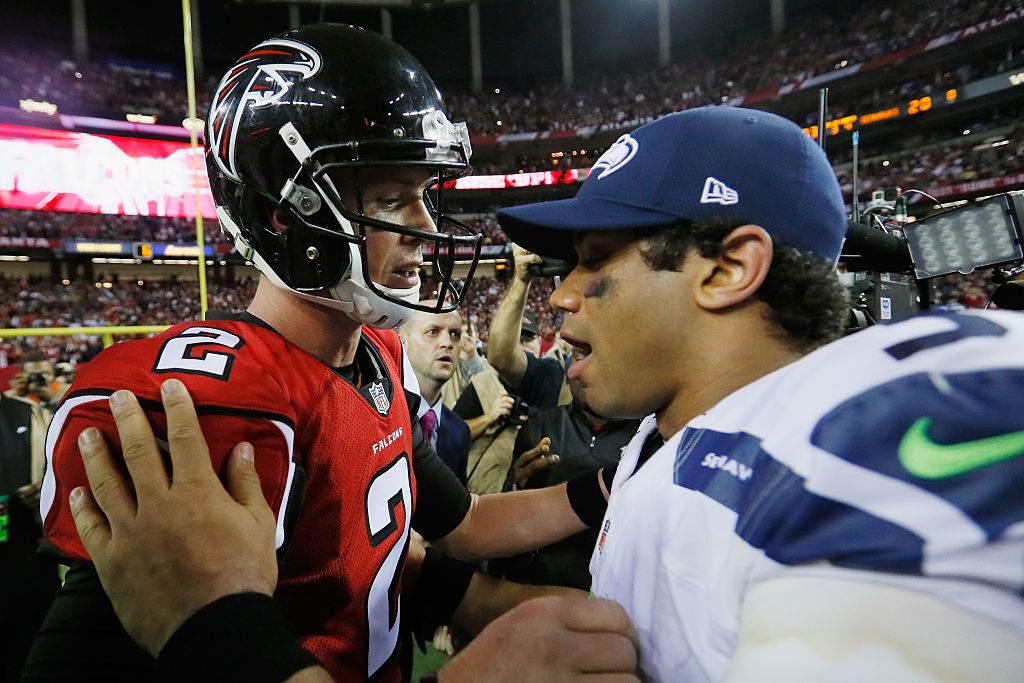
x: 261, y: 77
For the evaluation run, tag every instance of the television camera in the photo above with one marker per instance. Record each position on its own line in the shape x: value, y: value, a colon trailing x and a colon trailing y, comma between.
x: 890, y: 262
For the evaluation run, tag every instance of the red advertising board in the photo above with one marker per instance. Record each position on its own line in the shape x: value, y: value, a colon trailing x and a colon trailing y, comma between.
x: 58, y: 170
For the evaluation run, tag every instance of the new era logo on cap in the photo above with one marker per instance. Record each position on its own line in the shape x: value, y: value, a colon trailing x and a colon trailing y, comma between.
x: 717, y: 192
x: 616, y: 156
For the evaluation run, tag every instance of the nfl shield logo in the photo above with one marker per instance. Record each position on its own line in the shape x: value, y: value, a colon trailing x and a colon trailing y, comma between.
x: 380, y: 399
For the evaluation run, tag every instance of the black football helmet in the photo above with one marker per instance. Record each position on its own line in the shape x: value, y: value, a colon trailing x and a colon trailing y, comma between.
x: 311, y: 101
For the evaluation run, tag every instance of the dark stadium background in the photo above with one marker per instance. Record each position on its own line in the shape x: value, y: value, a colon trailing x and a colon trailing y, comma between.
x: 959, y: 149
x: 518, y: 37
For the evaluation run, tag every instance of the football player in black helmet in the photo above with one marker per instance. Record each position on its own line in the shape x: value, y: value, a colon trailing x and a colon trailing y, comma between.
x: 324, y: 146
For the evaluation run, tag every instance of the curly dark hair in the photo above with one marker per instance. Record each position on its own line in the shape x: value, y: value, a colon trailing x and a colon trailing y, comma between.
x: 807, y: 301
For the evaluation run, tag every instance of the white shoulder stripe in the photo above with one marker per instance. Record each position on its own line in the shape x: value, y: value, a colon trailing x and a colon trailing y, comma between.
x: 289, y: 437
x: 49, y: 489
x: 49, y: 486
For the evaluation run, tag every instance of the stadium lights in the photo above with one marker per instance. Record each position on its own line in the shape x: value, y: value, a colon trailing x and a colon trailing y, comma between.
x: 986, y: 233
x: 193, y: 125
x: 40, y: 107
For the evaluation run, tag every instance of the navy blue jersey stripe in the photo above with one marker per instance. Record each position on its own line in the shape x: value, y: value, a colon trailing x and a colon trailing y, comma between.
x: 777, y: 514
x: 867, y: 430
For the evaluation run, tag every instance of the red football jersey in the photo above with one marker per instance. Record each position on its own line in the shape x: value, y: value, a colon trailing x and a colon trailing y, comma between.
x: 349, y: 449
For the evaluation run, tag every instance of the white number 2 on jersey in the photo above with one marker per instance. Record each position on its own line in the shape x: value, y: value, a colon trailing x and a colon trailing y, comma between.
x: 390, y: 487
x: 176, y: 354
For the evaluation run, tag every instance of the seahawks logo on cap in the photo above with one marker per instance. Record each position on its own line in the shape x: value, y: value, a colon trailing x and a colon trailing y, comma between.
x: 616, y: 156
x: 261, y: 77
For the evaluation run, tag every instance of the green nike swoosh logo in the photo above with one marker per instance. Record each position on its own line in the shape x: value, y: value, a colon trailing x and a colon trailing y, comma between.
x: 924, y: 458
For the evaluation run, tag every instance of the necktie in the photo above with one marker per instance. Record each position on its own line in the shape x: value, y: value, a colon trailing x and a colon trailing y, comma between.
x: 427, y: 423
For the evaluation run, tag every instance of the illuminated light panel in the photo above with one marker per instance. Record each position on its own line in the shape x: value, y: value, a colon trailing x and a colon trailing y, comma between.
x: 963, y: 240
x: 55, y: 170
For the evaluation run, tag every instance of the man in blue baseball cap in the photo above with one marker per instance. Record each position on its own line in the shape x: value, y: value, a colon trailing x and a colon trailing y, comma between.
x: 790, y: 508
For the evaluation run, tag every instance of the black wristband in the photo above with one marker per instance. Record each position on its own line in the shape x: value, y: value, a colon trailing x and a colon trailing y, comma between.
x: 440, y: 587
x: 241, y: 637
x: 586, y: 498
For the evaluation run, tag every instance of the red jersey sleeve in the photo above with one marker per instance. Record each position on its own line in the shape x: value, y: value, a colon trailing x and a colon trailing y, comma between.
x: 238, y: 396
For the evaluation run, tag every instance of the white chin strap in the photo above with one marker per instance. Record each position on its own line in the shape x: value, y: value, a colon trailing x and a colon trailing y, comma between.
x: 350, y: 294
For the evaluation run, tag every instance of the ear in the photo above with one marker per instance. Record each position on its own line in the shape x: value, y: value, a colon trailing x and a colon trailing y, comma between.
x: 279, y: 220
x: 738, y: 272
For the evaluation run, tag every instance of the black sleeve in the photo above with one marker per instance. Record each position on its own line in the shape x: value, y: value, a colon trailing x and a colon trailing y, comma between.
x: 468, y: 406
x: 414, y: 403
x: 441, y: 500
x: 82, y: 640
x: 541, y: 383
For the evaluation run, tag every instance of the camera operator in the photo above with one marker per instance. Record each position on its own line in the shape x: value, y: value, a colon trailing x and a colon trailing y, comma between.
x: 30, y: 579
x: 538, y: 380
x: 494, y: 430
x: 36, y: 381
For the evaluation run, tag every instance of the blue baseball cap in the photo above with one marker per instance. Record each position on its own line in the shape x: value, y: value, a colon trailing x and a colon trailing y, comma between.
x: 698, y: 164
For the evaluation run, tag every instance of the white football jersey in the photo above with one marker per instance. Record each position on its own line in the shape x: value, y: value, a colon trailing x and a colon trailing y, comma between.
x: 894, y: 455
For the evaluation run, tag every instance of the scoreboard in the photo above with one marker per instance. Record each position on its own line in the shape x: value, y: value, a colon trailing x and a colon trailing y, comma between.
x: 908, y: 108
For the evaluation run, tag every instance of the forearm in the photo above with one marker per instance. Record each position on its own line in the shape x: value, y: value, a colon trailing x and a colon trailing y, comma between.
x: 312, y: 674
x: 502, y: 524
x: 503, y: 350
x: 488, y: 597
x: 478, y: 425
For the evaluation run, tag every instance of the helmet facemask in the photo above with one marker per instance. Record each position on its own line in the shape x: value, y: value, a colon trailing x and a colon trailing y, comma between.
x: 313, y: 199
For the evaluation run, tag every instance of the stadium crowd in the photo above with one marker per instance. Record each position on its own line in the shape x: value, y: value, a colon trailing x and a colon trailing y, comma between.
x: 817, y: 42
x: 89, y: 226
x: 35, y: 302
x: 826, y: 42
x: 940, y: 165
x: 927, y: 164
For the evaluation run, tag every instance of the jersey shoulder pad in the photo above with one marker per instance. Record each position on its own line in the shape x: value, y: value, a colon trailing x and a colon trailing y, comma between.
x: 227, y: 363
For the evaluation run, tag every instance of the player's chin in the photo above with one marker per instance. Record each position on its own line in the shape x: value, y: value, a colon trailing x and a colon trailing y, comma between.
x: 609, y: 404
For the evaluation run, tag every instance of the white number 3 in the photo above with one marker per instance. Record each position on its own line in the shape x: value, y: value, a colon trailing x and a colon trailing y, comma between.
x: 177, y: 355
